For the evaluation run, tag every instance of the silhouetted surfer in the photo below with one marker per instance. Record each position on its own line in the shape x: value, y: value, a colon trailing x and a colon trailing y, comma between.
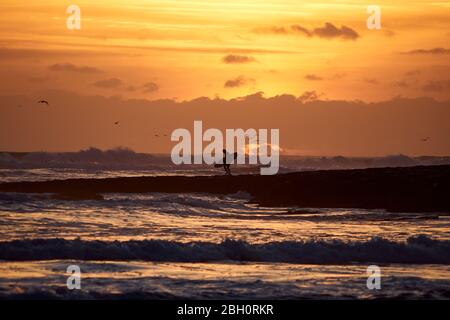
x: 226, y: 159
x: 226, y: 165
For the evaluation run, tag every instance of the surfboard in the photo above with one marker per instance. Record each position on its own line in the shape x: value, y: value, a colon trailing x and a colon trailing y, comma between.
x: 219, y: 165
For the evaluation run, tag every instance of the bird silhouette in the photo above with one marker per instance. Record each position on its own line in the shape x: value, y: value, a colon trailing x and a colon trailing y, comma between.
x: 426, y: 139
x: 43, y: 101
x: 116, y: 123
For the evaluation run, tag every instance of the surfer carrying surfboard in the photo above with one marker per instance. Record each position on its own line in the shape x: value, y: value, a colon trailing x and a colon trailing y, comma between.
x: 227, y: 160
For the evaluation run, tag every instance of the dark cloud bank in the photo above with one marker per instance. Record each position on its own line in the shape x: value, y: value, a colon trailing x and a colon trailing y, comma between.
x: 306, y: 123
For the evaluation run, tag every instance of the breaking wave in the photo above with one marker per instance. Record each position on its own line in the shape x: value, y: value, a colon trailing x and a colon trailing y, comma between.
x: 127, y: 159
x: 415, y: 250
x: 92, y: 158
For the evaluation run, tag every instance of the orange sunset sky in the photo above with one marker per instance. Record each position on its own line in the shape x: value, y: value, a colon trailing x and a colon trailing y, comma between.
x: 149, y: 62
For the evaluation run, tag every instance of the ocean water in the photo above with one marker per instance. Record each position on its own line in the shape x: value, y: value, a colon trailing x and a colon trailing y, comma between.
x: 204, y: 246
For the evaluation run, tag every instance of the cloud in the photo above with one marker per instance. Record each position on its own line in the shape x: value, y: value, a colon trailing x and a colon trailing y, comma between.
x: 309, y: 96
x: 271, y: 30
x: 428, y: 51
x: 68, y: 67
x: 313, y: 77
x: 338, y: 76
x: 437, y: 86
x: 328, y: 31
x: 371, y: 81
x: 27, y: 54
x: 232, y: 58
x: 108, y: 83
x: 300, y: 29
x: 278, y: 30
x: 108, y: 50
x: 320, y: 125
x: 150, y: 87
x: 237, y: 82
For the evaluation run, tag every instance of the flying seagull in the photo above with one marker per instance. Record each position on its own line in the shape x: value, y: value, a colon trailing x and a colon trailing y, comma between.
x: 43, y: 101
